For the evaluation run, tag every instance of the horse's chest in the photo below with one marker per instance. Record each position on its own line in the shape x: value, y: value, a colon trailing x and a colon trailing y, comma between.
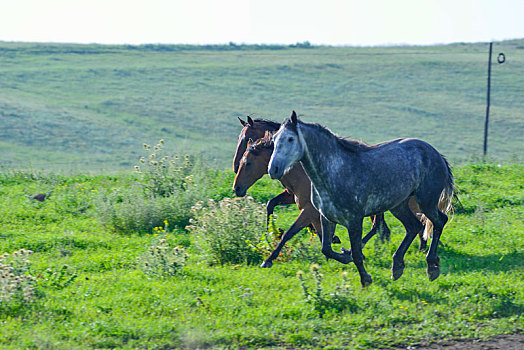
x: 326, y: 206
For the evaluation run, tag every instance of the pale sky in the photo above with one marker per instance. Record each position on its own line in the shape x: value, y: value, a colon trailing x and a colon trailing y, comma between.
x: 328, y: 22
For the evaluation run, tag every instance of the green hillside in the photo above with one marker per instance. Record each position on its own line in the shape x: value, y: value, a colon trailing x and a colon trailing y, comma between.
x: 90, y: 107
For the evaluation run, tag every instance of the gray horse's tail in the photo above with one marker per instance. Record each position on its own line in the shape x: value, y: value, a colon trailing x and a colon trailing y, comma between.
x: 445, y: 204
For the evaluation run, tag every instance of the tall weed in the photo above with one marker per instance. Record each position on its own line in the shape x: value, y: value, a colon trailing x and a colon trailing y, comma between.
x: 342, y: 298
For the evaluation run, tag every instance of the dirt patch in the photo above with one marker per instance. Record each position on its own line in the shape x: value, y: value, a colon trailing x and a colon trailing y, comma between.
x: 505, y: 342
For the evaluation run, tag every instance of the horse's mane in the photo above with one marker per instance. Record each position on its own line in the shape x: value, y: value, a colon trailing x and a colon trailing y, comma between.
x: 265, y: 143
x: 349, y: 145
x: 268, y: 124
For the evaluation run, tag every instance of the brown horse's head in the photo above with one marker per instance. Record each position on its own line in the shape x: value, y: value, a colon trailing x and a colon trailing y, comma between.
x: 252, y: 130
x: 253, y: 164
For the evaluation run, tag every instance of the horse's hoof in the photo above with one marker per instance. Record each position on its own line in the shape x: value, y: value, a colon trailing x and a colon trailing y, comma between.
x: 423, y: 246
x: 433, y: 271
x: 348, y: 253
x: 366, y: 280
x: 397, y: 270
x: 266, y: 264
x: 336, y: 240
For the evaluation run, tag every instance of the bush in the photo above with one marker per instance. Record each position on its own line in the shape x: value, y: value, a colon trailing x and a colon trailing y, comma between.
x: 16, y: 284
x: 231, y: 230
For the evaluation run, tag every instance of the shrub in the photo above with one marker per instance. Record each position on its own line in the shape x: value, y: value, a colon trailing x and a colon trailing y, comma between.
x: 16, y: 284
x: 231, y: 230
x: 162, y: 260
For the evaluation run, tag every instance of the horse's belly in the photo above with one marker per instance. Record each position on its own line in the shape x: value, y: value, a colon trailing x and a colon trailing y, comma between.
x: 379, y: 204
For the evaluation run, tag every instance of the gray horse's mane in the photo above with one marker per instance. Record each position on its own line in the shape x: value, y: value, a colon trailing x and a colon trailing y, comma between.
x: 349, y: 145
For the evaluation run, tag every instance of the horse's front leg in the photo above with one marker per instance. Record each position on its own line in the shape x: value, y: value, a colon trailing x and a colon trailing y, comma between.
x: 328, y: 229
x: 305, y: 217
x: 284, y: 198
x: 355, y: 236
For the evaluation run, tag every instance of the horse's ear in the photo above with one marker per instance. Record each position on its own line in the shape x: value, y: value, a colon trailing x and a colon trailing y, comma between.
x: 294, y: 117
x: 242, y: 122
x: 250, y: 121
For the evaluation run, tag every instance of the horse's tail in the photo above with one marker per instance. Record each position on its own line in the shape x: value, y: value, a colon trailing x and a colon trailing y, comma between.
x: 444, y: 204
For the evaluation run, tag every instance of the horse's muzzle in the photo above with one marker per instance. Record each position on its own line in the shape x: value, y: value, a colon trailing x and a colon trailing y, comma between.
x: 240, y: 191
x: 275, y: 171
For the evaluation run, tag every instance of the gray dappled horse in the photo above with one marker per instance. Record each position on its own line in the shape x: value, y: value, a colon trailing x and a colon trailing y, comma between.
x: 351, y: 180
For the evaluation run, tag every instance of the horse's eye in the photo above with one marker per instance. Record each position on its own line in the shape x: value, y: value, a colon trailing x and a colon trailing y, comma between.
x: 290, y: 139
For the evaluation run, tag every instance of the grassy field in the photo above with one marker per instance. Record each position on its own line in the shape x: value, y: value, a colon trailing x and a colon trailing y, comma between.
x: 91, y: 290
x: 89, y: 107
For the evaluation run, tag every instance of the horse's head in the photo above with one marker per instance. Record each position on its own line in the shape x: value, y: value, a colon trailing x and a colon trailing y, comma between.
x: 253, y: 164
x: 287, y: 148
x: 251, y: 131
x: 254, y: 130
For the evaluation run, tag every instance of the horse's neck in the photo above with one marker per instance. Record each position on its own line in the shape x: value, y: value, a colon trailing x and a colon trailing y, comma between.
x: 296, y: 180
x: 265, y: 156
x: 321, y: 153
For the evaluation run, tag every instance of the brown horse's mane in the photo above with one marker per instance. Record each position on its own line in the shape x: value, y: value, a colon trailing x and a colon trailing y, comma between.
x: 350, y: 145
x: 265, y: 143
x: 268, y: 124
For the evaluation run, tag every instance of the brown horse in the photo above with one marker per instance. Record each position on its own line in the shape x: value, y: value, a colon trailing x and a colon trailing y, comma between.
x: 256, y: 129
x: 253, y: 165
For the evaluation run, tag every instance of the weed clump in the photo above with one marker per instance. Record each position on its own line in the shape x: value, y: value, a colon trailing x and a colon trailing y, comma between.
x: 58, y: 279
x: 16, y: 283
x: 162, y: 260
x: 162, y: 175
x: 343, y: 298
x: 166, y: 188
x: 230, y: 231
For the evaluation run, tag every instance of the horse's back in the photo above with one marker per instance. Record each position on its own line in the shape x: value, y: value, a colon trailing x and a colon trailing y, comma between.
x: 393, y: 170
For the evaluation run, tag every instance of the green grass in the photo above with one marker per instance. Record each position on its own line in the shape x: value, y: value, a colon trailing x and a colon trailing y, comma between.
x: 89, y: 107
x: 113, y: 304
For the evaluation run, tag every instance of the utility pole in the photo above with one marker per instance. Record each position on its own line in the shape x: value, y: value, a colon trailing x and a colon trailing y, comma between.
x: 486, y: 121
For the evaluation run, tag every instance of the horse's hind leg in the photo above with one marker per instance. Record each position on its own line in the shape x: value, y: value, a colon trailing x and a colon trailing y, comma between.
x: 438, y: 219
x: 415, y: 209
x: 413, y: 227
x: 380, y: 227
